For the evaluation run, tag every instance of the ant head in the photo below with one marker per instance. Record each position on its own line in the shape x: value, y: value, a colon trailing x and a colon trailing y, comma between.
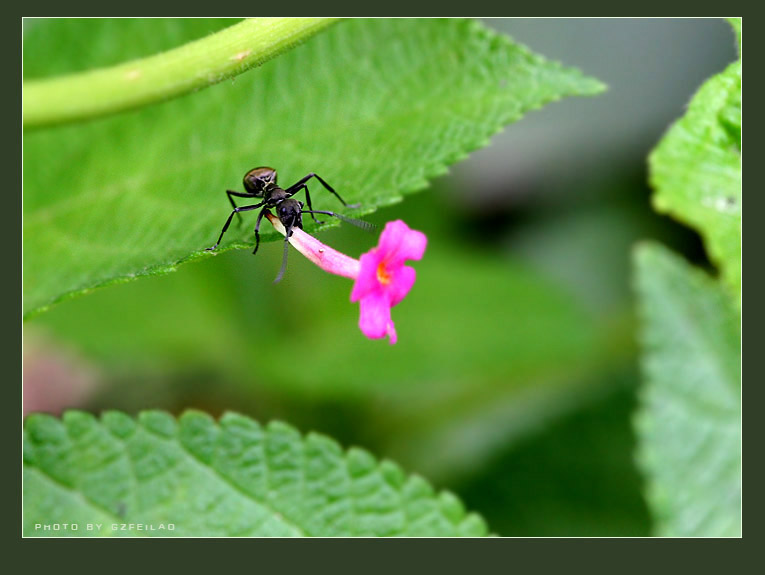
x: 290, y: 213
x: 256, y: 179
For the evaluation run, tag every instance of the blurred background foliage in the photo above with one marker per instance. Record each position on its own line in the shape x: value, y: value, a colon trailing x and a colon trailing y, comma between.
x: 514, y: 378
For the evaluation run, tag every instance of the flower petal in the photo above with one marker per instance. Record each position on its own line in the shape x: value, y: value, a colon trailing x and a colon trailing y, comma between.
x: 381, y: 278
x: 374, y: 320
x: 391, y: 330
x: 402, y: 282
x: 398, y: 242
x: 366, y: 279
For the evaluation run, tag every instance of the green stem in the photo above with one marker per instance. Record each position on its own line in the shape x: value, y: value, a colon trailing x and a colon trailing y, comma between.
x: 149, y: 80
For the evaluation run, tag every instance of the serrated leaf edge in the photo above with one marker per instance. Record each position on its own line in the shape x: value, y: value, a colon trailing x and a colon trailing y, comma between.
x: 458, y: 517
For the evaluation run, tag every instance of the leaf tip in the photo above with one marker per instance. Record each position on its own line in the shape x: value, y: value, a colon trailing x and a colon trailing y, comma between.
x: 78, y: 423
x: 320, y: 442
x: 643, y: 254
x: 473, y: 526
x: 360, y: 462
x: 158, y: 422
x: 44, y: 427
x: 451, y: 506
x: 193, y: 416
x: 417, y: 487
x: 118, y: 424
x: 392, y: 473
x: 233, y: 421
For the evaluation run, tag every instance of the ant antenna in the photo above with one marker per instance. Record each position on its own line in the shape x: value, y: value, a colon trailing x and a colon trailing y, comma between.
x: 284, y: 257
x: 364, y: 225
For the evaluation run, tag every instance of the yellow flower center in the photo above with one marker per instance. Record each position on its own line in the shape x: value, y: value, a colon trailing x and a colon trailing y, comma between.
x: 383, y: 276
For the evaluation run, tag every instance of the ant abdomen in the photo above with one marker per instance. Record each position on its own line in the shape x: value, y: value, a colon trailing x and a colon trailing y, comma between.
x: 256, y: 179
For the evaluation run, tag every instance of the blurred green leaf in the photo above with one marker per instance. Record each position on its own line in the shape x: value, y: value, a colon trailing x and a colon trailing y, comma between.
x: 575, y: 478
x: 696, y: 171
x: 689, y: 422
x: 452, y: 333
x: 234, y: 478
x: 377, y: 107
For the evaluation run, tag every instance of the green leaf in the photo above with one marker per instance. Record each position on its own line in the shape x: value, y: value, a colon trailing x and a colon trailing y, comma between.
x: 575, y: 478
x: 696, y: 171
x: 376, y: 107
x: 689, y: 423
x: 235, y: 478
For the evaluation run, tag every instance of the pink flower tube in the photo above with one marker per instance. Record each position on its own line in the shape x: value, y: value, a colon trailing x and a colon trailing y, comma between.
x: 381, y: 278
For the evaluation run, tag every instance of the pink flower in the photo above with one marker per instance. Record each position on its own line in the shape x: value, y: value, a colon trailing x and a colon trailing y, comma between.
x: 381, y: 278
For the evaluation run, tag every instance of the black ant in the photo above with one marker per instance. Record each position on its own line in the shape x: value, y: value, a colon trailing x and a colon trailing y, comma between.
x: 261, y: 183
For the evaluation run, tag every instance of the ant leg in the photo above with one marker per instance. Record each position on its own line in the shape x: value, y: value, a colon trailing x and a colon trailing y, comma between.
x: 228, y: 222
x: 308, y: 201
x: 230, y: 193
x: 257, y: 228
x: 297, y: 186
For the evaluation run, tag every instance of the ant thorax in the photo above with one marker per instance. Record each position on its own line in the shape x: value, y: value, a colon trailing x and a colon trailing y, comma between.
x: 274, y: 195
